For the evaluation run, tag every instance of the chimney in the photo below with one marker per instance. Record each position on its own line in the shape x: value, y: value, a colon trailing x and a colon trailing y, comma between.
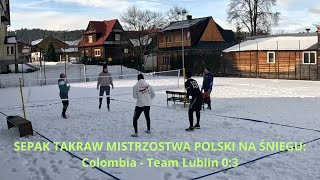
x: 189, y: 17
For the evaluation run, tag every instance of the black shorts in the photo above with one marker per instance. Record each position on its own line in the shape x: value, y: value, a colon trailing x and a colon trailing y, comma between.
x: 196, y: 104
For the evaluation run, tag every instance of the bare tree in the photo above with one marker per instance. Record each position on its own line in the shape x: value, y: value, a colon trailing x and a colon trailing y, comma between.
x: 255, y: 15
x: 142, y: 26
x: 177, y: 13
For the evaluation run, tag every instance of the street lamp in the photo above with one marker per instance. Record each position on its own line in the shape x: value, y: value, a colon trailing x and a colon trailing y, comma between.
x: 65, y: 54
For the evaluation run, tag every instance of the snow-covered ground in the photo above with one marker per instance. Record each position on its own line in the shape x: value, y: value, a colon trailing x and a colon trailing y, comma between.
x: 292, y: 103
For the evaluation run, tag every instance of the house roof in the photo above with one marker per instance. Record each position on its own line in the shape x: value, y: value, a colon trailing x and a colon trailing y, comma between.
x: 102, y: 27
x: 227, y: 35
x: 10, y: 40
x: 197, y: 27
x: 43, y: 43
x: 301, y: 41
x: 73, y: 43
x: 35, y: 42
x: 178, y: 25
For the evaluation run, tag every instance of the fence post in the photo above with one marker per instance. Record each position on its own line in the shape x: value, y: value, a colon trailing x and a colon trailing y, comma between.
x: 40, y: 79
x: 257, y: 61
x: 239, y: 61
x: 178, y: 78
x: 289, y: 66
x: 84, y: 72
x: 309, y: 70
x: 250, y: 64
x: 300, y: 58
x: 278, y: 59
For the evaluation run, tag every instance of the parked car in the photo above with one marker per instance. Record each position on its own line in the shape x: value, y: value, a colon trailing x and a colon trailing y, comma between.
x: 21, y: 68
x: 74, y: 60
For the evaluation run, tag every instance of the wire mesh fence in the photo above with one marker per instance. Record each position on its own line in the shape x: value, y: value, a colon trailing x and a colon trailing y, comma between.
x: 76, y: 73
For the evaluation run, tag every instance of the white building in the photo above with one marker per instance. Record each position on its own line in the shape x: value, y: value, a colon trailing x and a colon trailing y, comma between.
x: 8, y: 44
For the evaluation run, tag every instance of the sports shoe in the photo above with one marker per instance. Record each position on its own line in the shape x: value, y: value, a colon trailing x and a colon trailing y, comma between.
x: 108, y: 108
x: 197, y: 126
x: 134, y: 135
x: 64, y: 116
x: 148, y: 131
x: 190, y: 129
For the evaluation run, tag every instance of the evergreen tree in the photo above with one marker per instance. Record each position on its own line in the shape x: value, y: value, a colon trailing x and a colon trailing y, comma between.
x: 51, y: 53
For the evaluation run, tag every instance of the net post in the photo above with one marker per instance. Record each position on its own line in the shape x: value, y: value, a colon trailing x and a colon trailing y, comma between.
x: 84, y: 73
x: 22, y: 100
x: 179, y: 78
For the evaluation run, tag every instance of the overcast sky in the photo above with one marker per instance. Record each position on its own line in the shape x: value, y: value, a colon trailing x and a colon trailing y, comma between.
x: 296, y: 15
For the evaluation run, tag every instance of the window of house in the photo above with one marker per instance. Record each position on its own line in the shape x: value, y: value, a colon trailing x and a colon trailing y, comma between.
x: 87, y: 52
x: 90, y: 40
x: 309, y: 57
x: 117, y: 37
x: 166, y: 60
x: 10, y: 50
x: 97, y: 52
x: 271, y: 57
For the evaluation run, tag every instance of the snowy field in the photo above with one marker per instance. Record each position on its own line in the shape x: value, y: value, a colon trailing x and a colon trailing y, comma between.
x: 292, y: 103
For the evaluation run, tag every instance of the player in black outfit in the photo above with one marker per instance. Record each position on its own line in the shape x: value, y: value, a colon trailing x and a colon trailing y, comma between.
x: 193, y: 89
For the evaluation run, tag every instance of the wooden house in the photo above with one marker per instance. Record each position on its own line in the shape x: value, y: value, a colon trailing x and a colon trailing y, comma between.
x: 104, y: 41
x: 197, y: 37
x: 288, y: 56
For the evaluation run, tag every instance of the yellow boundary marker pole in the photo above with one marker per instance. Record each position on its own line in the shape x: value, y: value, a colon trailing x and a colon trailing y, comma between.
x: 22, y: 99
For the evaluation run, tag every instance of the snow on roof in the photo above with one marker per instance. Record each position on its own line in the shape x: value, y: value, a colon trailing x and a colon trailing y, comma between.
x: 69, y: 50
x: 70, y: 43
x: 11, y: 40
x: 145, y: 40
x: 280, y: 42
x: 35, y: 42
x: 73, y: 43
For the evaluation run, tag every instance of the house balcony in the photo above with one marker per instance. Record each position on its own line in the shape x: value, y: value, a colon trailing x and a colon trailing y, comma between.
x: 116, y: 42
x: 186, y: 43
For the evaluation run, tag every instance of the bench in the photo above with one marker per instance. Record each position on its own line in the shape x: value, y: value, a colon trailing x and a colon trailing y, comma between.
x: 24, y: 126
x: 177, y: 97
